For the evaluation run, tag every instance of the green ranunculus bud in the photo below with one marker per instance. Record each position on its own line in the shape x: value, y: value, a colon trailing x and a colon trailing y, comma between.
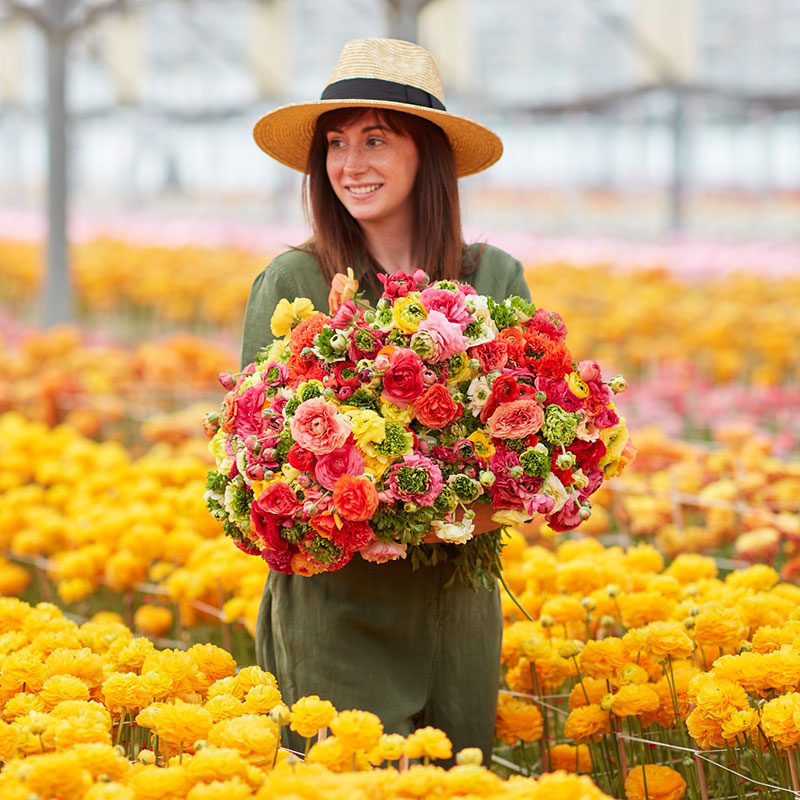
x: 565, y: 461
x: 618, y: 384
x: 486, y: 477
x: 540, y: 396
x: 340, y: 341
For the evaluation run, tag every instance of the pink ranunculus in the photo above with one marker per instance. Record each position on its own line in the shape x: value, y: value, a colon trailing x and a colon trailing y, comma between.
x: 278, y: 499
x: 451, y: 304
x: 247, y: 408
x: 508, y: 492
x: 550, y: 323
x: 589, y: 370
x: 415, y: 461
x: 539, y: 504
x: 275, y: 374
x: 344, y: 316
x: 567, y: 518
x: 600, y: 392
x: 342, y: 461
x: 379, y: 552
x: 607, y: 418
x: 402, y: 381
x: 557, y: 391
x: 447, y: 336
x: 319, y: 427
x: 517, y: 419
x: 399, y: 284
x: 491, y: 355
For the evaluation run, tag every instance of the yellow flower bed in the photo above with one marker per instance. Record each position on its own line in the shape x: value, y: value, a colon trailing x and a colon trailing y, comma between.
x: 182, y: 285
x: 740, y: 327
x: 623, y: 658
x: 97, y: 517
x: 57, y: 376
x: 89, y: 712
x: 698, y: 498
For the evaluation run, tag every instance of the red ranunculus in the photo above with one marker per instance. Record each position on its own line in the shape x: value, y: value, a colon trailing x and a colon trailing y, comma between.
x: 300, y: 458
x: 436, y: 408
x: 402, y: 381
x: 279, y: 499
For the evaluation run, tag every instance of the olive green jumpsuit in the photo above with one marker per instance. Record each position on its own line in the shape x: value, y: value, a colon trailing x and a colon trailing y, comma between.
x: 381, y: 637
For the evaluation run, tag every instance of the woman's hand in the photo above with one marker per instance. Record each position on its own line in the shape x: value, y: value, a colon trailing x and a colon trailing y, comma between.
x: 482, y: 521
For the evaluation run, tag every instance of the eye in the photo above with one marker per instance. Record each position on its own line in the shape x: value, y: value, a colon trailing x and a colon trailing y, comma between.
x: 335, y: 144
x: 374, y: 141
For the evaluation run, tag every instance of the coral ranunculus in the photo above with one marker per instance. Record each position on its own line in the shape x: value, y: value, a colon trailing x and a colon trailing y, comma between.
x: 436, y: 408
x: 517, y: 419
x: 355, y: 498
x: 319, y: 427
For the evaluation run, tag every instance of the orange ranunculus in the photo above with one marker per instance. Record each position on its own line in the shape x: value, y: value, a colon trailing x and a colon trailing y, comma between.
x: 571, y: 758
x: 586, y: 723
x: 343, y: 288
x: 304, y: 332
x: 602, y: 658
x: 355, y: 497
x: 663, y: 783
x: 436, y: 407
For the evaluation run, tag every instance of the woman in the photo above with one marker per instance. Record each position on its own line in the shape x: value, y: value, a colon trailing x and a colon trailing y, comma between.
x: 381, y: 157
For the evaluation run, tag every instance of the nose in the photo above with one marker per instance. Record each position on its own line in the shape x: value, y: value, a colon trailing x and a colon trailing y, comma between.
x: 355, y: 160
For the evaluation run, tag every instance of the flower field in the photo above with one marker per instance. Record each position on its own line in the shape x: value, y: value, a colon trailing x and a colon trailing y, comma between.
x: 655, y: 653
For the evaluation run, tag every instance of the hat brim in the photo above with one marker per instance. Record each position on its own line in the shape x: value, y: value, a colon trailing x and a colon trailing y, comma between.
x: 286, y: 133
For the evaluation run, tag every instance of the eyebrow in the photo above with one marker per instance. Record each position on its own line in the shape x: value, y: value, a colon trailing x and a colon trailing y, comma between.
x: 363, y: 130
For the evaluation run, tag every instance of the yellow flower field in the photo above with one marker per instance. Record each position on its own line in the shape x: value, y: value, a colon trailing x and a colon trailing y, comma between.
x: 90, y: 712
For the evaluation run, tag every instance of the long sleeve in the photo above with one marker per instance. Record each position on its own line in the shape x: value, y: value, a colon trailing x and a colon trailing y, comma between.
x: 290, y: 275
x: 269, y: 287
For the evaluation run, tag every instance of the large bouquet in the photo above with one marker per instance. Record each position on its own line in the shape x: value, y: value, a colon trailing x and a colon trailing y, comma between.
x: 376, y: 430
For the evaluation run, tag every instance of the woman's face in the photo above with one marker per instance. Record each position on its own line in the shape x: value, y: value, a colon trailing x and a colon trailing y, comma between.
x: 372, y: 170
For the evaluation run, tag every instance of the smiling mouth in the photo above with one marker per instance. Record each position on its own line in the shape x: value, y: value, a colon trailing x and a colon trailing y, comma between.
x: 364, y: 190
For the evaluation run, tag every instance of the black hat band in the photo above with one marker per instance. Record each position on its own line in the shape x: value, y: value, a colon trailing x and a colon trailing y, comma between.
x: 378, y: 89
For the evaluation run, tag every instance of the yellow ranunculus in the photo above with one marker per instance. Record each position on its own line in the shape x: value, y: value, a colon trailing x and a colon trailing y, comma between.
x: 509, y: 516
x: 287, y: 315
x: 408, y: 312
x: 577, y: 385
x: 392, y: 413
x: 614, y: 439
x: 368, y: 427
x: 483, y: 444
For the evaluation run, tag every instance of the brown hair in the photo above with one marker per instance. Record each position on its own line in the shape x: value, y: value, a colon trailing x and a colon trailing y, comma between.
x: 338, y: 241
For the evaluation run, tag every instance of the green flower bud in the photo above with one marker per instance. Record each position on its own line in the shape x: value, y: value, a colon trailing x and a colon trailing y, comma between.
x: 486, y: 477
x: 565, y: 461
x: 618, y: 384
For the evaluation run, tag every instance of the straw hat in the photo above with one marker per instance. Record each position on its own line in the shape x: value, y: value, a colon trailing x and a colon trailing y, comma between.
x: 379, y: 73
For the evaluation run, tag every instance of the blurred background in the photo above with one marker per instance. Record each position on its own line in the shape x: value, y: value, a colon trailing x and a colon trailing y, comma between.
x: 650, y: 184
x: 631, y: 117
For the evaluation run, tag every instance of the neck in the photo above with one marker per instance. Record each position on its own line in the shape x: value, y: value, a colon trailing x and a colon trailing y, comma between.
x: 390, y: 244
